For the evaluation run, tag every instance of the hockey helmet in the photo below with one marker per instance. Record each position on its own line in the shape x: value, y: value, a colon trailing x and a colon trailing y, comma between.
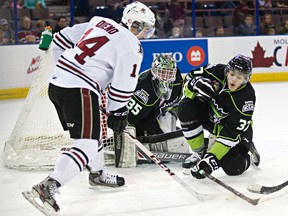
x: 164, y: 69
x: 240, y: 64
x: 138, y: 15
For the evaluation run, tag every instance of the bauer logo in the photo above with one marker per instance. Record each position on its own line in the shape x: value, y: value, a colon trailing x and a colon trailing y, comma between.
x: 188, y: 53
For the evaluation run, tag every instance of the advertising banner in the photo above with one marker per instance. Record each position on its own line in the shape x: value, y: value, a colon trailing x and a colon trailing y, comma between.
x: 188, y: 53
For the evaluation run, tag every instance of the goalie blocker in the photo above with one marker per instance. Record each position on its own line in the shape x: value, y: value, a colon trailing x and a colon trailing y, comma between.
x: 167, y: 147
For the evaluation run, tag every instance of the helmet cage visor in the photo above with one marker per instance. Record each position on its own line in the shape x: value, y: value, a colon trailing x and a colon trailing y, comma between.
x: 165, y: 74
x: 144, y: 29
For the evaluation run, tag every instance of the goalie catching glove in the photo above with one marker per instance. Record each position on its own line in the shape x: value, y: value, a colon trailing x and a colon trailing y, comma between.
x: 117, y: 120
x: 205, y: 166
x: 200, y: 86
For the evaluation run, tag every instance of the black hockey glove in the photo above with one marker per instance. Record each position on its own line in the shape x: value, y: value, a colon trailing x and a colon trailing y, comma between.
x: 202, y: 86
x: 206, y: 165
x: 117, y: 120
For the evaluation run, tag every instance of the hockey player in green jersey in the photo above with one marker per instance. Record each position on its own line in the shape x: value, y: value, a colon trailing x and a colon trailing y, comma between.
x: 158, y: 90
x: 220, y: 99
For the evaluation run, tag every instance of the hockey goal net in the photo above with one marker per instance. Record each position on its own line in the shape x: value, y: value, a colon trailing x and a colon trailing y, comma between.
x: 37, y: 138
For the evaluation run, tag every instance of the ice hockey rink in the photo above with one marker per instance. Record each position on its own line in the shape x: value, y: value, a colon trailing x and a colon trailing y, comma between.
x: 150, y: 190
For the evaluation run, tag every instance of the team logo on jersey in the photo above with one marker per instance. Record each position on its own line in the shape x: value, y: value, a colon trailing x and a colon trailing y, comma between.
x: 249, y: 106
x: 143, y: 95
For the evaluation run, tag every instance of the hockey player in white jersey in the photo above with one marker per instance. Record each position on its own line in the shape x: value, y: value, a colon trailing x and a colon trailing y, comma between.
x: 91, y: 57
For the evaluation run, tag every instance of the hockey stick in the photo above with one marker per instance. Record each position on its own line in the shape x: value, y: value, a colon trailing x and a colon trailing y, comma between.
x: 160, y: 137
x: 118, y: 147
x: 256, y: 188
x: 234, y: 191
x: 198, y: 196
x: 244, y: 197
x: 165, y: 156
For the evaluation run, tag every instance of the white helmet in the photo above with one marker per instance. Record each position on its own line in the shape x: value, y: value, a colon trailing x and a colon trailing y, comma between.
x: 141, y: 17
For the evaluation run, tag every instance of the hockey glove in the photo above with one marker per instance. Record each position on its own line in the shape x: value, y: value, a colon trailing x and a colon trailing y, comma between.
x: 205, y: 166
x: 117, y: 120
x: 202, y: 86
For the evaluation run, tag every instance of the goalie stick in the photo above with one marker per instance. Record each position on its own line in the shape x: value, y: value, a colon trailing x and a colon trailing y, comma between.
x: 256, y: 188
x: 169, y: 156
x: 160, y: 137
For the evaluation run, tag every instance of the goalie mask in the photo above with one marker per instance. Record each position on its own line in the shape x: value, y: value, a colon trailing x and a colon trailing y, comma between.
x: 164, y: 69
x: 140, y: 17
x: 240, y: 64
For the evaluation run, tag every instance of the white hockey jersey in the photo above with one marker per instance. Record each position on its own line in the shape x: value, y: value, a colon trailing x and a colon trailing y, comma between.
x: 96, y: 55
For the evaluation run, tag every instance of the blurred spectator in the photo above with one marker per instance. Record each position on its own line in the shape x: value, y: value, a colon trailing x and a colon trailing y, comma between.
x: 248, y: 28
x: 26, y: 34
x: 265, y: 4
x: 18, y: 4
x: 280, y: 4
x: 8, y: 34
x: 167, y: 21
x: 219, y: 31
x: 271, y: 31
x: 3, y: 40
x: 158, y: 23
x: 62, y: 23
x: 31, y: 4
x: 177, y: 14
x: 199, y: 33
x: 239, y: 14
x: 284, y: 28
x: 266, y: 24
x: 175, y: 32
x: 116, y: 10
x: 40, y: 26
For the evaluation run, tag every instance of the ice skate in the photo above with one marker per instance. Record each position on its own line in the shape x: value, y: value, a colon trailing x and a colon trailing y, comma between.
x: 190, y: 162
x: 255, y: 156
x: 44, y: 191
x: 105, y: 179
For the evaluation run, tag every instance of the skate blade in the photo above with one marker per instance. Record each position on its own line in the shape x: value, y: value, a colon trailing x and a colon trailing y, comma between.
x: 104, y: 187
x: 32, y: 196
x: 186, y: 171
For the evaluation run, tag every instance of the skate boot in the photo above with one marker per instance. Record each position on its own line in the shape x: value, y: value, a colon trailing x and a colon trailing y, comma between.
x: 45, y: 191
x: 106, y: 179
x: 190, y: 162
x: 255, y: 156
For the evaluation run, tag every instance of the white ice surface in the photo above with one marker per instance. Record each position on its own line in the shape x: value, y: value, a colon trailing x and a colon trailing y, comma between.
x: 150, y: 191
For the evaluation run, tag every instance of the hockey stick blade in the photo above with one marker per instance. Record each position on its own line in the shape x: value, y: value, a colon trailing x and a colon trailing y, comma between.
x: 198, y: 196
x: 31, y: 197
x: 256, y: 188
x: 234, y: 191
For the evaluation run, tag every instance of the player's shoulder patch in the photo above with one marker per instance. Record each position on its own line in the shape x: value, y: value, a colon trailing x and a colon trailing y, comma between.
x: 248, y: 106
x: 142, y: 95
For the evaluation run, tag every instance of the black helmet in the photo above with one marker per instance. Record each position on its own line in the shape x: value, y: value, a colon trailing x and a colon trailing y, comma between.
x: 242, y: 64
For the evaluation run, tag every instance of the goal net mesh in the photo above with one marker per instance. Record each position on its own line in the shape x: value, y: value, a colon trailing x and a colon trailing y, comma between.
x: 37, y: 138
